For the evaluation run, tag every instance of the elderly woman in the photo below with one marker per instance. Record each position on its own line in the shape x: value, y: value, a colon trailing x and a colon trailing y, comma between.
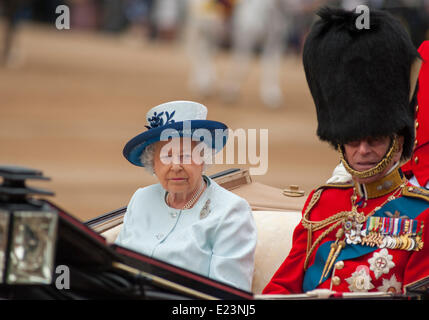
x: 187, y: 219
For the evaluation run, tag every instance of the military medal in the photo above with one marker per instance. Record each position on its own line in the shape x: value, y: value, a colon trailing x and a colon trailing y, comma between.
x: 391, y: 285
x: 360, y: 280
x: 381, y: 263
x: 393, y: 233
x: 353, y: 226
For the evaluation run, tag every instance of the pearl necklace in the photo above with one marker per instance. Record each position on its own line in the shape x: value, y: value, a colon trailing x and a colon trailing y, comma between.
x: 191, y: 202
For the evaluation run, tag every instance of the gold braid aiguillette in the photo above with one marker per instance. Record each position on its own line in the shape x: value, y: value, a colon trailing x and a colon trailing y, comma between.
x: 334, y: 248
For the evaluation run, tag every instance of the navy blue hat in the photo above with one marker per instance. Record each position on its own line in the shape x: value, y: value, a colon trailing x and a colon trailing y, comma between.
x: 176, y: 119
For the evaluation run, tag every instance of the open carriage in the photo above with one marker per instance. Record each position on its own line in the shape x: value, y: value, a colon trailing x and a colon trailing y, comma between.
x: 45, y: 253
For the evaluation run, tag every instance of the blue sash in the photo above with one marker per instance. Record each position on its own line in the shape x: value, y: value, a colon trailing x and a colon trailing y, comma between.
x: 410, y: 207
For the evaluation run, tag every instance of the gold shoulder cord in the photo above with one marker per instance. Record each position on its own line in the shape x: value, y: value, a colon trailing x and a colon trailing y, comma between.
x: 336, y: 220
x: 312, y: 226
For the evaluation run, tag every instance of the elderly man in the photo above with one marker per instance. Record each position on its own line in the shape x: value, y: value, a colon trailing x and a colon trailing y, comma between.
x: 369, y: 235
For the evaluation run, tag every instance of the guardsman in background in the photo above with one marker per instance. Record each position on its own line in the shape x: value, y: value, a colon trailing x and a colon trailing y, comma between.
x: 206, y: 29
x: 417, y: 169
x: 369, y: 235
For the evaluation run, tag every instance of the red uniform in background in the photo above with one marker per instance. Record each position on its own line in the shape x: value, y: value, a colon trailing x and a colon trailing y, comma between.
x: 418, y: 166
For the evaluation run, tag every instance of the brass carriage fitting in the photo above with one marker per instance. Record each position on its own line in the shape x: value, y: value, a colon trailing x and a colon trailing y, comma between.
x: 293, y: 191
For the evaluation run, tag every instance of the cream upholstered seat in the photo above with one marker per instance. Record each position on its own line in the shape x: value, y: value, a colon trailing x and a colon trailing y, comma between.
x: 275, y: 229
x: 276, y: 212
x: 112, y: 233
x: 274, y: 242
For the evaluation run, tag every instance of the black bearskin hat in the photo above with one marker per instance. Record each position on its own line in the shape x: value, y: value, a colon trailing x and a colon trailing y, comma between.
x: 360, y: 78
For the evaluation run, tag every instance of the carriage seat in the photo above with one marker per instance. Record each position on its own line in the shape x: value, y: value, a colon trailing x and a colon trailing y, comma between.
x: 276, y: 213
x: 274, y: 242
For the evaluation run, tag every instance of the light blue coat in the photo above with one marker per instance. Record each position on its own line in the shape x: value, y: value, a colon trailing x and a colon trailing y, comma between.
x: 215, y: 238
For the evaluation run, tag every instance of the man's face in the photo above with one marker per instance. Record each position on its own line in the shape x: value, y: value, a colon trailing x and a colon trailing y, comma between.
x: 365, y: 154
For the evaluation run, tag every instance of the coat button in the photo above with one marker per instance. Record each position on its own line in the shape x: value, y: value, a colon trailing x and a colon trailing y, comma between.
x: 336, y: 280
x: 417, y: 124
x: 416, y: 160
x: 339, y: 265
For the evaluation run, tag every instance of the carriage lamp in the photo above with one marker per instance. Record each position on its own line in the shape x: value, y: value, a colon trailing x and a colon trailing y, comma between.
x: 28, y: 229
x: 4, y: 226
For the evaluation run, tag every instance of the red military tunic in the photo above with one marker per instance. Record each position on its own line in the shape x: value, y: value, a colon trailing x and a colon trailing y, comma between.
x: 419, y: 163
x: 379, y: 270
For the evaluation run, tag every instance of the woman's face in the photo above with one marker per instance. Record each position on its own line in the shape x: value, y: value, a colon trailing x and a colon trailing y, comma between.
x: 177, y: 169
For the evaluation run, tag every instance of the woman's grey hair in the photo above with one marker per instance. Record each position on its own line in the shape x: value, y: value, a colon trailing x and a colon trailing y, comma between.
x: 147, y: 157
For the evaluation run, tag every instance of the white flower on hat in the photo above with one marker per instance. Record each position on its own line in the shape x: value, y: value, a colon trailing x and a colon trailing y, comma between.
x: 175, y: 111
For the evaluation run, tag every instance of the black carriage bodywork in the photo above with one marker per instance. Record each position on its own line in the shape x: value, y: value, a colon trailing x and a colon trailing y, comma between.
x: 101, y: 270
